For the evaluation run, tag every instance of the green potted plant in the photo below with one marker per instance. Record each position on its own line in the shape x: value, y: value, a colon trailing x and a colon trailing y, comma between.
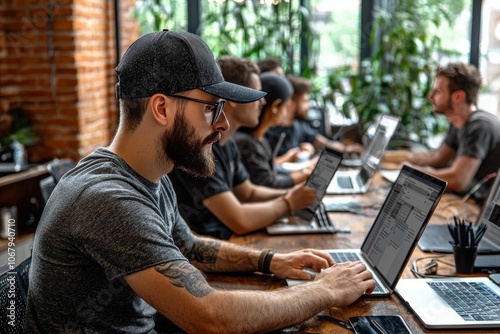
x: 19, y: 135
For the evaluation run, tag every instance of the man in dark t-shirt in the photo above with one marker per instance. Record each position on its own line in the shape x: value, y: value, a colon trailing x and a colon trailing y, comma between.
x: 470, y: 152
x: 111, y: 250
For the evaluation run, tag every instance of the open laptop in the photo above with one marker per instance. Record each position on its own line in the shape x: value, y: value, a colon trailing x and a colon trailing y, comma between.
x: 437, y: 304
x: 435, y: 237
x: 390, y: 122
x: 314, y: 218
x: 393, y: 236
x: 357, y: 181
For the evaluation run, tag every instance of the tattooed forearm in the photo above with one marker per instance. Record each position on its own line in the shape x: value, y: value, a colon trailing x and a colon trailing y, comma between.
x: 204, y: 251
x: 183, y: 237
x: 184, y: 275
x: 201, y: 250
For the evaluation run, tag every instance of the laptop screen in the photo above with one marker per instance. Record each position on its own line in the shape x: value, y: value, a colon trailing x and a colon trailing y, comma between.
x: 327, y: 165
x: 400, y: 222
x: 375, y: 152
x: 490, y: 214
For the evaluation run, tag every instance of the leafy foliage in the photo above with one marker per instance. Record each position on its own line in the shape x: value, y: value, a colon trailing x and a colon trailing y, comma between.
x: 20, y: 130
x: 245, y: 29
x: 250, y: 29
x: 398, y: 77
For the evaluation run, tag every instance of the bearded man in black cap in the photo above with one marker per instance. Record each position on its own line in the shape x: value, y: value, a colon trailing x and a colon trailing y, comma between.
x: 111, y: 249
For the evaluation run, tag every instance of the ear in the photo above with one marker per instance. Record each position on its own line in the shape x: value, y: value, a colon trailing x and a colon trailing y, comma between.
x: 274, y: 106
x: 159, y: 111
x: 459, y: 96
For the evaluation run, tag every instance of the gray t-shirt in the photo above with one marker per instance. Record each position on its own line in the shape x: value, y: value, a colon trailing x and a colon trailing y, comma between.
x: 479, y: 138
x: 102, y: 222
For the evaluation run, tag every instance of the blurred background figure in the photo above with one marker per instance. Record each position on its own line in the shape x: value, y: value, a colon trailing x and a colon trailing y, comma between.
x: 302, y: 140
x: 256, y: 153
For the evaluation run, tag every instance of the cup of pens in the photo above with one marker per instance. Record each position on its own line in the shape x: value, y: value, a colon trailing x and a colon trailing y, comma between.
x: 466, y: 238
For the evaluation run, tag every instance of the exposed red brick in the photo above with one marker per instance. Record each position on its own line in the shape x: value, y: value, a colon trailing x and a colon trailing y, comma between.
x: 69, y: 95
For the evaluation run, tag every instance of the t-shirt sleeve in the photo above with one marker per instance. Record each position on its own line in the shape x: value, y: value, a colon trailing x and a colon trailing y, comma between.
x: 258, y: 166
x: 476, y: 141
x: 305, y: 132
x: 141, y: 233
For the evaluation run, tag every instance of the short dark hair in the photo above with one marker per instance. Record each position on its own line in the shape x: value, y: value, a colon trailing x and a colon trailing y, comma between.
x: 464, y: 77
x: 300, y: 85
x: 237, y: 70
x: 269, y: 64
x: 132, y: 111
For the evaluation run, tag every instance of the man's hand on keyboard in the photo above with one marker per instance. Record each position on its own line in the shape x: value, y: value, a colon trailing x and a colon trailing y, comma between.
x: 346, y: 281
x: 292, y: 265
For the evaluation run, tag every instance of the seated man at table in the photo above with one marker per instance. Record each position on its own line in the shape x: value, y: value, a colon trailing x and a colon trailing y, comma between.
x: 111, y: 249
x: 471, y: 149
x: 302, y: 139
x: 228, y: 202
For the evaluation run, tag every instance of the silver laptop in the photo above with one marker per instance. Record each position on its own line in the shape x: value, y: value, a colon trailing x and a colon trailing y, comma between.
x: 357, y: 181
x: 393, y: 236
x: 437, y: 302
x: 369, y: 135
x: 435, y: 237
x: 314, y: 218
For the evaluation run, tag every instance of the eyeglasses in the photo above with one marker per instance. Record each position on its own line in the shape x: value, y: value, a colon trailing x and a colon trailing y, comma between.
x: 216, y: 110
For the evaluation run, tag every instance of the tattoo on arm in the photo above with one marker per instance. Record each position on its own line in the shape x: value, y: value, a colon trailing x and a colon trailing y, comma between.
x: 204, y: 251
x: 183, y: 275
x: 197, y: 249
x: 183, y: 237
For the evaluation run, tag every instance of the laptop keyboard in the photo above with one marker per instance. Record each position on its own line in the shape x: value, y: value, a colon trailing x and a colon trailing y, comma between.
x: 340, y: 257
x: 345, y: 182
x: 473, y: 301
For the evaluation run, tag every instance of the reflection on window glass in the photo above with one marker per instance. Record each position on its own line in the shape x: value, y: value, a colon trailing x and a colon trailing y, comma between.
x: 337, y: 23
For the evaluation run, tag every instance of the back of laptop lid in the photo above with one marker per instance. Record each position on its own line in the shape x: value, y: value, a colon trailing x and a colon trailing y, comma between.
x: 490, y: 213
x: 435, y: 238
x: 328, y: 163
x: 375, y: 152
x: 400, y: 222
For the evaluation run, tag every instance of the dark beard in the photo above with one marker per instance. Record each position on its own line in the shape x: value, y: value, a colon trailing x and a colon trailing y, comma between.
x: 182, y: 148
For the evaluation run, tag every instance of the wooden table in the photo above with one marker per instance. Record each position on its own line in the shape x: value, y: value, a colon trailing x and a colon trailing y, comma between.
x: 359, y: 224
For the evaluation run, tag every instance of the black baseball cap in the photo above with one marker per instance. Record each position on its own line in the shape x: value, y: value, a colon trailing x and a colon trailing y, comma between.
x: 170, y: 62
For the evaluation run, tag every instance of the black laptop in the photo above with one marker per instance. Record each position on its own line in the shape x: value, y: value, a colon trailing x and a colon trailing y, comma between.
x: 436, y: 237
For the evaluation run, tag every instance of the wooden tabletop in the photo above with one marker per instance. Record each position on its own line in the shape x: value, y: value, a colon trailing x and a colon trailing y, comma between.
x: 359, y: 223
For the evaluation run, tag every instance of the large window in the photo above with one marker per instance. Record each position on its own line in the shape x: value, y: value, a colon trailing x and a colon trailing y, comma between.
x: 490, y: 56
x: 340, y: 32
x: 338, y: 26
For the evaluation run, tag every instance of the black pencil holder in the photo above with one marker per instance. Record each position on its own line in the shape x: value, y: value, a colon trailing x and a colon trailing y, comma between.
x: 465, y: 257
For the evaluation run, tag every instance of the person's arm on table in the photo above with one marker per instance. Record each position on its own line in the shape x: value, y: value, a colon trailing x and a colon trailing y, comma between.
x: 200, y: 308
x: 250, y: 207
x: 322, y: 141
x: 435, y: 159
x: 458, y: 175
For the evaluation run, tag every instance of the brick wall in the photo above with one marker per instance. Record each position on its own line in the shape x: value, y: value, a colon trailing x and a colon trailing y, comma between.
x: 57, y: 60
